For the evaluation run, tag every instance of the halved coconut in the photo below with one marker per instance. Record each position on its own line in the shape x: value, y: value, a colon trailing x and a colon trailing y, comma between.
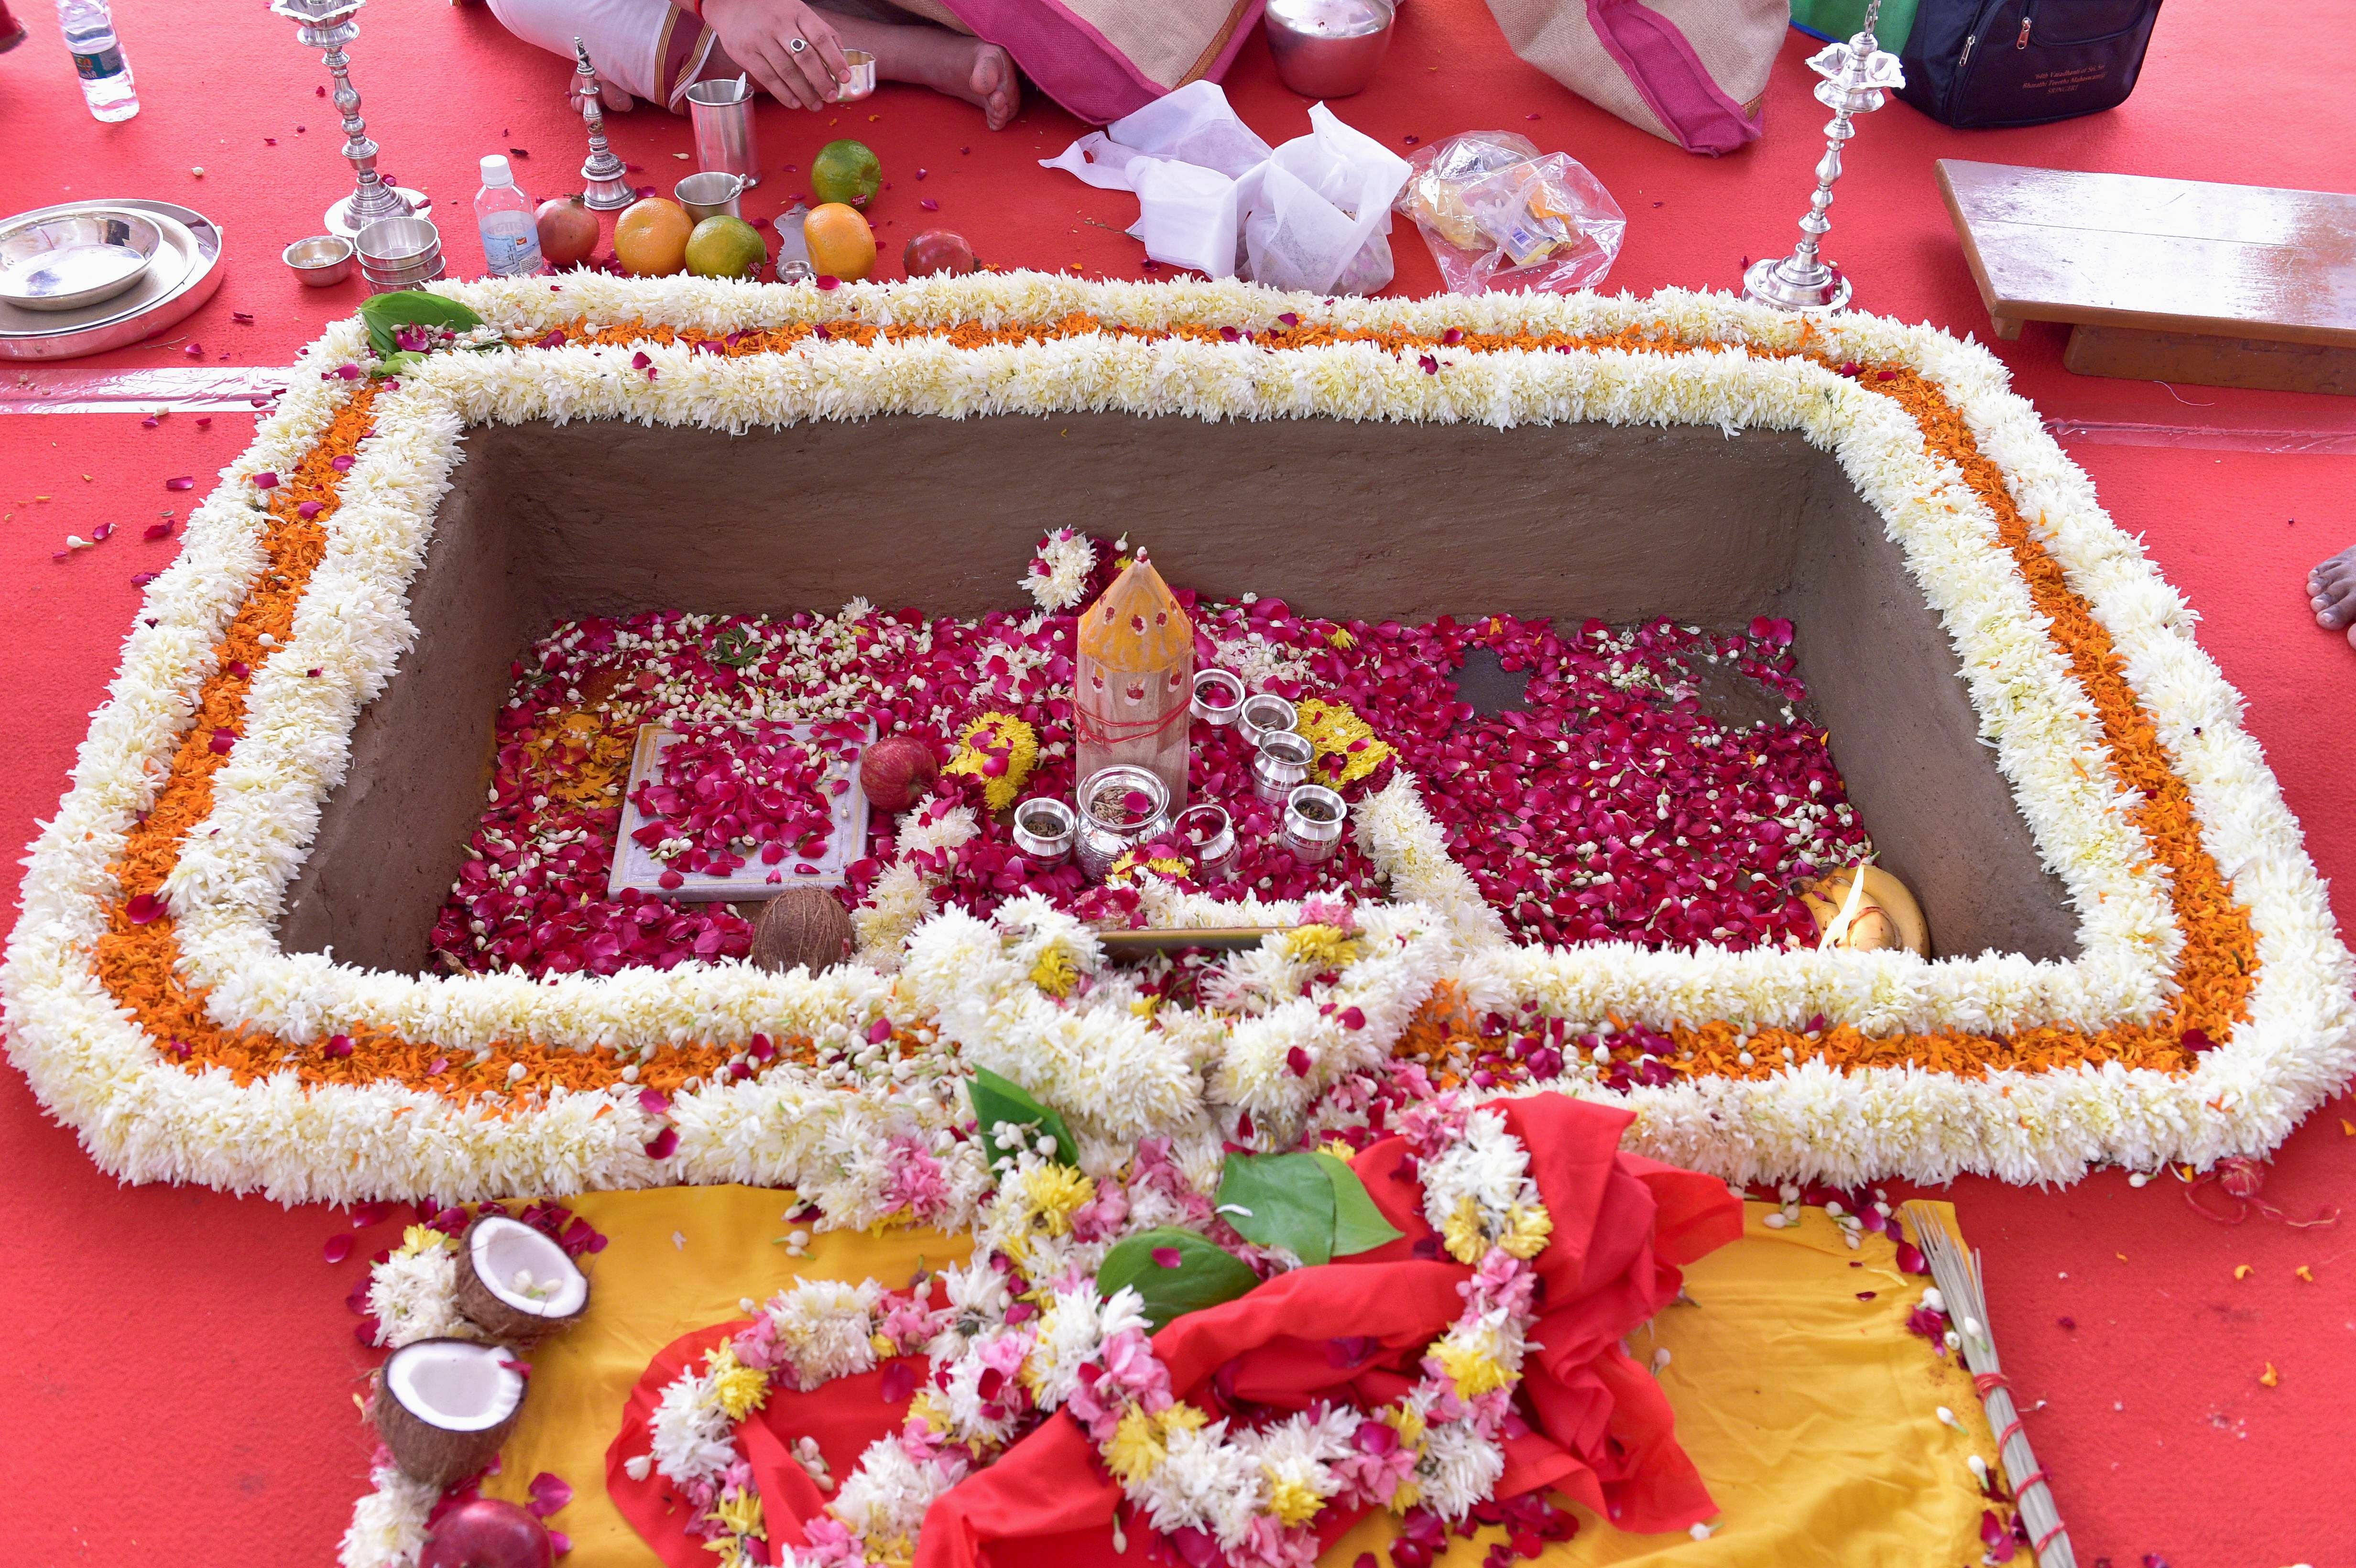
x: 515, y: 1284
x: 444, y: 1406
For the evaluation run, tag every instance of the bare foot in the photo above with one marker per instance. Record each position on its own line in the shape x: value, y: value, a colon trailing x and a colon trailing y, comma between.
x: 2331, y: 593
x: 982, y: 74
x: 616, y: 99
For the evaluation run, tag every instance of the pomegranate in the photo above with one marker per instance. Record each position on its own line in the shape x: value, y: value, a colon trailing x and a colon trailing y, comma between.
x: 568, y: 231
x: 937, y: 251
x: 897, y: 771
x: 487, y: 1532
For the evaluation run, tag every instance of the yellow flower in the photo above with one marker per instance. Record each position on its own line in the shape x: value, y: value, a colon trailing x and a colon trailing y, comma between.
x: 1475, y: 1370
x: 1183, y: 1417
x: 739, y: 1389
x: 1527, y: 1231
x: 1055, y: 973
x: 1333, y: 728
x: 1145, y: 1006
x: 1341, y: 637
x: 1461, y: 1236
x: 1409, y: 1494
x: 1123, y: 873
x: 1340, y: 1149
x: 1290, y: 1499
x: 1135, y: 1450
x: 1327, y: 946
x: 881, y: 1344
x: 422, y: 1239
x: 930, y: 1408
x: 738, y: 1512
x: 1009, y: 741
x: 1055, y: 1190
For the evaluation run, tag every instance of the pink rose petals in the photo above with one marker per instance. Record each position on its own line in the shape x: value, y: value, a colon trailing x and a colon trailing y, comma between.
x: 162, y: 531
x: 265, y: 480
x: 144, y: 909
x: 549, y: 1492
x: 307, y: 511
x: 185, y: 482
x: 1166, y: 1257
x: 222, y: 739
x: 663, y: 1144
x: 338, y: 1247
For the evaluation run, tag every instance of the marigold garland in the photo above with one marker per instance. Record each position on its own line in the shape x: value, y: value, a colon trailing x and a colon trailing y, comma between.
x: 2214, y: 976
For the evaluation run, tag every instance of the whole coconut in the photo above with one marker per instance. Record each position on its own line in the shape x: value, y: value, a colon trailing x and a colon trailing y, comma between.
x: 897, y: 772
x: 802, y: 926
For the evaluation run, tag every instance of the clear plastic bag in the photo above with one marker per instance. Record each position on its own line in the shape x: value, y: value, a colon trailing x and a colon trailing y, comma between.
x: 1499, y: 214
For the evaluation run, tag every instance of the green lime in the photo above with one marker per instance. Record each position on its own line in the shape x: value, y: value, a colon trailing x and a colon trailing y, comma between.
x: 725, y: 247
x: 847, y: 171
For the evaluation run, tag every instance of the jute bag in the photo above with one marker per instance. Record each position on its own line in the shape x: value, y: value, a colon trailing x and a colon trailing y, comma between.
x: 1690, y: 71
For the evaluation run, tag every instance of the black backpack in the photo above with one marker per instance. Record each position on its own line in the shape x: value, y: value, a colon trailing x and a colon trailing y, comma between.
x: 1977, y: 64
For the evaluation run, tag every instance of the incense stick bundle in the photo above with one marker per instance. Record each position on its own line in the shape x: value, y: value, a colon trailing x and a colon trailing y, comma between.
x: 1958, y: 1274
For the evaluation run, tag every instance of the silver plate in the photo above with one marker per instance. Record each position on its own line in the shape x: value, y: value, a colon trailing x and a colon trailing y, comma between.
x: 60, y: 263
x: 183, y: 274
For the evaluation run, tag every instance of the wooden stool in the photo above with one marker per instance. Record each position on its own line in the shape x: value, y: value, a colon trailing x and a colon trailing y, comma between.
x: 2222, y: 285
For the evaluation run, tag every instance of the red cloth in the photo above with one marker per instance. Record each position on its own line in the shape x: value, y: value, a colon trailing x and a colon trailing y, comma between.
x: 1602, y: 1434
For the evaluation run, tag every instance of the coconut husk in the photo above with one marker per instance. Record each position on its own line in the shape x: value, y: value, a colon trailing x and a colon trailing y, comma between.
x: 802, y: 926
x: 434, y: 1455
x: 498, y: 1317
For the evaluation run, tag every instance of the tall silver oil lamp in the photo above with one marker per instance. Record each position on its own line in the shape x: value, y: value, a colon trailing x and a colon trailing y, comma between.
x: 1856, y: 75
x: 327, y: 25
x: 606, y: 189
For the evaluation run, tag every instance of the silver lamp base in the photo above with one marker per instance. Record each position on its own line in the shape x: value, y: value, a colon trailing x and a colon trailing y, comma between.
x: 340, y: 220
x: 607, y: 195
x: 1819, y: 290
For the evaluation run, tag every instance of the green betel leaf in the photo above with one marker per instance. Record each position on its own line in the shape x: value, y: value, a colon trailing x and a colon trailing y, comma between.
x: 384, y: 315
x: 1176, y: 1272
x: 1281, y: 1200
x: 1358, y: 1226
x: 997, y: 1100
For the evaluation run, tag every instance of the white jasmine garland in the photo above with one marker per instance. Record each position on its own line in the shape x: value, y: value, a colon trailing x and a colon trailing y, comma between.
x: 145, y: 1118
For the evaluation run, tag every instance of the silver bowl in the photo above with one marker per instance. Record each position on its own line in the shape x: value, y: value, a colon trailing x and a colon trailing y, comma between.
x: 78, y: 258
x: 1328, y: 48
x: 399, y: 254
x: 715, y: 193
x: 321, y: 261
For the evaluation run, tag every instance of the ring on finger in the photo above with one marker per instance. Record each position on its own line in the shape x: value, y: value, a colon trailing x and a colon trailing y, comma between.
x: 798, y: 44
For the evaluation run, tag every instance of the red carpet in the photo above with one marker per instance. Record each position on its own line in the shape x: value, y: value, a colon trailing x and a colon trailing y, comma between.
x: 179, y: 1363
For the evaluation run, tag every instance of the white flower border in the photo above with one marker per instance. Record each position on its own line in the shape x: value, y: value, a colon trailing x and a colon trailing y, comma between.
x: 147, y: 1119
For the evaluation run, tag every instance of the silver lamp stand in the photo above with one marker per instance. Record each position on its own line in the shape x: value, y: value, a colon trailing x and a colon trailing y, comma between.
x: 1856, y: 75
x: 327, y: 25
x: 607, y: 189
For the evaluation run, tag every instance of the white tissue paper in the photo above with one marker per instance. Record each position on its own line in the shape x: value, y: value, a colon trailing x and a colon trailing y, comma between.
x: 1314, y: 214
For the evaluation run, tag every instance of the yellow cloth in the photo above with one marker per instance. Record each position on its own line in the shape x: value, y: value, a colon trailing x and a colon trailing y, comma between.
x: 1811, y: 1415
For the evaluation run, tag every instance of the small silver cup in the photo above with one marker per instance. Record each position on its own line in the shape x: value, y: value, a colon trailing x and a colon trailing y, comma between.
x: 863, y: 77
x: 1282, y: 765
x: 722, y: 110
x: 793, y: 247
x: 1121, y: 806
x: 1210, y: 834
x: 1045, y: 830
x: 1265, y: 715
x: 1219, y: 695
x: 1314, y: 817
x: 713, y: 194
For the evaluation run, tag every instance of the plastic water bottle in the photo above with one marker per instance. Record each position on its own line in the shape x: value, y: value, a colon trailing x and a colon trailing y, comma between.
x: 97, y: 58
x: 510, y: 232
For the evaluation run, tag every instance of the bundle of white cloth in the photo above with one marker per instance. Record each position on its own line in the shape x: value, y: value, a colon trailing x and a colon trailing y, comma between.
x: 1314, y: 214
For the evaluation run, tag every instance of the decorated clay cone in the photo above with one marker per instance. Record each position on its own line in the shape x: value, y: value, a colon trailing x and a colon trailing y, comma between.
x: 1135, y: 684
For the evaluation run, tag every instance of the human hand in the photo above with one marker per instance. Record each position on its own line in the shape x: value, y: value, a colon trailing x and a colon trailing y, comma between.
x: 788, y: 48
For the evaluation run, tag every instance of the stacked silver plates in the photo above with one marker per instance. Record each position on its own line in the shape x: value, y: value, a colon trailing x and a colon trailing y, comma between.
x: 130, y: 269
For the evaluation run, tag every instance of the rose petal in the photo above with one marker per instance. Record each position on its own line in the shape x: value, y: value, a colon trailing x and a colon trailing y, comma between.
x: 661, y: 1144
x: 143, y: 908
x: 265, y: 480
x: 338, y: 1247
x: 549, y: 1492
x: 1166, y: 1257
x: 185, y: 482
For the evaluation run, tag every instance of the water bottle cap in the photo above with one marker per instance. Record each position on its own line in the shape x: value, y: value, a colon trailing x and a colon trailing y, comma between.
x: 495, y: 170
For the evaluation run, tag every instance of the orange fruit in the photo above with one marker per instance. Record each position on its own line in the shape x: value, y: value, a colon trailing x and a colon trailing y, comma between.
x: 840, y: 243
x: 650, y: 237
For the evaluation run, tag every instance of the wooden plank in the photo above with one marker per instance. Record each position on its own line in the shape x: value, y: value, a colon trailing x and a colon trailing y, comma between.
x: 2160, y: 255
x: 2096, y: 350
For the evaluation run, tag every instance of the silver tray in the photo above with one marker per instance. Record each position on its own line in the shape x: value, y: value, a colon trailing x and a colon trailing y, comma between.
x: 175, y: 285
